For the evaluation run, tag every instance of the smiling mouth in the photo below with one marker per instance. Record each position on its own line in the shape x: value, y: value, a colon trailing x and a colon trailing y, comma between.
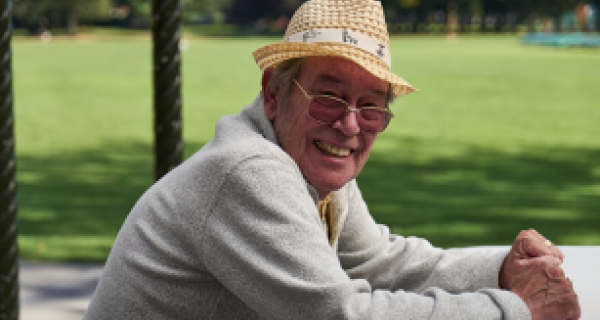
x: 332, y: 150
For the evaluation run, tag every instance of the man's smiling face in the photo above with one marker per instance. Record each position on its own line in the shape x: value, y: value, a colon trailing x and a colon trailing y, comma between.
x: 328, y: 155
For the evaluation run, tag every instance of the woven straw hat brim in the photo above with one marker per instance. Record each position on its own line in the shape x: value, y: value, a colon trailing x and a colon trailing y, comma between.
x: 271, y: 55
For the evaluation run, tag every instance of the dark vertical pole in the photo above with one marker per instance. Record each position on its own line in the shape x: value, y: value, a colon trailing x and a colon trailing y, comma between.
x: 166, y: 32
x: 9, y: 267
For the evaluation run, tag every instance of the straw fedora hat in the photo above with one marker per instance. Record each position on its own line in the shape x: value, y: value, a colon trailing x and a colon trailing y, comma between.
x: 351, y: 29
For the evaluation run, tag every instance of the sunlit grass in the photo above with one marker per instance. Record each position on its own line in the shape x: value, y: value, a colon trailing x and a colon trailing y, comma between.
x: 501, y: 137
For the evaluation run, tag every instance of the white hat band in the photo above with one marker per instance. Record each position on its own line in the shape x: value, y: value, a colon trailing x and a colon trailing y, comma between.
x: 344, y: 36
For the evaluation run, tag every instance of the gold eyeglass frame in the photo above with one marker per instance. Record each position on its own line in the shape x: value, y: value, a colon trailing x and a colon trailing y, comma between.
x: 387, y: 111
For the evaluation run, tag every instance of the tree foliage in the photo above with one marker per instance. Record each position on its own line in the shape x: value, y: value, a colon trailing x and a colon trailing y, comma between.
x: 247, y: 12
x: 63, y: 13
x: 204, y: 10
x: 68, y: 13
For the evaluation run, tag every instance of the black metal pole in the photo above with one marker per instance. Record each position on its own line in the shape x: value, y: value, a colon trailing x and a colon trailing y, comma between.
x: 9, y: 266
x: 166, y: 33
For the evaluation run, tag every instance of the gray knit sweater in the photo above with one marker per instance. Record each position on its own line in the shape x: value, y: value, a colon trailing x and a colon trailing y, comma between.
x: 234, y: 233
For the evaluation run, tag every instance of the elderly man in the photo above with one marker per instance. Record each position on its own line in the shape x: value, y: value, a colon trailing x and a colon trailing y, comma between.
x: 267, y: 220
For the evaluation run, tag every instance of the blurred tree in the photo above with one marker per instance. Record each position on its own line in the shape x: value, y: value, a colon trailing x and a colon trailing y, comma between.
x: 484, y: 15
x: 63, y: 13
x: 407, y: 4
x: 247, y: 12
x: 139, y: 12
x: 556, y: 8
x: 194, y: 11
x: 204, y: 11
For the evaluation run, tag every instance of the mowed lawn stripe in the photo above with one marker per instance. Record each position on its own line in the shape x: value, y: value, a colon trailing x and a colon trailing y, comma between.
x: 501, y: 137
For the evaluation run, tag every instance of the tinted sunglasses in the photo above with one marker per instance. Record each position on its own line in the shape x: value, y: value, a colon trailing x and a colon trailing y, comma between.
x: 327, y: 109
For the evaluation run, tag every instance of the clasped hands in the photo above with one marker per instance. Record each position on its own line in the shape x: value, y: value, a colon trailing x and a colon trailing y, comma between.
x: 532, y: 271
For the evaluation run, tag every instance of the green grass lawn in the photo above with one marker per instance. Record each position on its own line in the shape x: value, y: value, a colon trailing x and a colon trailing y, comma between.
x: 501, y: 137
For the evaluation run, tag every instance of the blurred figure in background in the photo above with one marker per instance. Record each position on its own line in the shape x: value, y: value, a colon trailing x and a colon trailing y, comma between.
x: 590, y: 17
x: 452, y: 21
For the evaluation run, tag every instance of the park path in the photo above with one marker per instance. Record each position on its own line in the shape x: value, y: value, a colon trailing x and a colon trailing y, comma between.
x: 56, y: 291
x: 63, y: 291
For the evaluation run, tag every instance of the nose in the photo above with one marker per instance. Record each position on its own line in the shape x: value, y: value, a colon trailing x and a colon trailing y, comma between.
x: 348, y: 124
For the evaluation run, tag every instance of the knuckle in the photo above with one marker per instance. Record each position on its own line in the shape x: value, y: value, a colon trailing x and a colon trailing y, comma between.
x: 557, y: 272
x: 544, y: 262
x: 570, y: 300
x: 568, y: 285
x: 524, y: 233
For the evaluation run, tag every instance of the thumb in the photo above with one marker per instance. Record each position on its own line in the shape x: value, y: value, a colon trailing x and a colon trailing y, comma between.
x: 531, y: 248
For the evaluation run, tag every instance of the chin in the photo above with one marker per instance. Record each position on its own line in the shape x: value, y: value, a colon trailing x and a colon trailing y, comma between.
x: 330, y: 186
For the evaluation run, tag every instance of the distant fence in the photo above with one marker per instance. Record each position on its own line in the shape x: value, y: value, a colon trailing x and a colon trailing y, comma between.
x: 562, y: 40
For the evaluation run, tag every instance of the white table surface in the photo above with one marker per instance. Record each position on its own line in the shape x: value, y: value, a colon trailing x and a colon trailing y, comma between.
x: 582, y: 266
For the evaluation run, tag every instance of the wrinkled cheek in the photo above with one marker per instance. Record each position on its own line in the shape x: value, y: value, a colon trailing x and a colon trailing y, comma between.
x: 294, y: 147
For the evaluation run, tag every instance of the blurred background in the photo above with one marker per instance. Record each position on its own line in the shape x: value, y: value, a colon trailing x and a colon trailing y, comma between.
x: 503, y: 135
x: 270, y: 17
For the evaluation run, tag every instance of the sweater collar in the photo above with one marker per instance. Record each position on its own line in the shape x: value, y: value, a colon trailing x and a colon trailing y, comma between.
x: 255, y: 112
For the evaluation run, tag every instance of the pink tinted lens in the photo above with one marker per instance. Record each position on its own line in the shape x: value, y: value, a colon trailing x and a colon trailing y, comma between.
x: 326, y: 109
x: 372, y: 120
x: 330, y: 110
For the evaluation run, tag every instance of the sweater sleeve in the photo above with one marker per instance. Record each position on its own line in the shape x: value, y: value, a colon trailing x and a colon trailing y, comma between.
x: 369, y: 251
x: 265, y: 243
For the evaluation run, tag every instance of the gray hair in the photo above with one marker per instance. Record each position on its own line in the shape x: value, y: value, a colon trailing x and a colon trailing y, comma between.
x: 283, y: 76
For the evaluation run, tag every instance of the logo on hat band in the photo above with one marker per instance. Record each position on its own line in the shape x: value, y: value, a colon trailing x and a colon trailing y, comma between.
x: 345, y: 36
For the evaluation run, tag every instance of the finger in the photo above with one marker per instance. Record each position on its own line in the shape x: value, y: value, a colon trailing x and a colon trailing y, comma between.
x: 518, y: 270
x: 558, y: 301
x: 532, y: 244
x: 534, y: 232
x: 574, y: 312
x: 557, y: 253
x: 540, y: 263
x: 565, y: 304
x: 562, y: 294
x: 520, y: 246
x: 535, y: 247
x: 530, y: 283
x: 555, y: 273
x: 567, y: 307
x: 533, y: 276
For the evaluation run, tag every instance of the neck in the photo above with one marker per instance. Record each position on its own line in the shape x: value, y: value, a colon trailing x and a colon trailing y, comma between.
x: 323, y: 194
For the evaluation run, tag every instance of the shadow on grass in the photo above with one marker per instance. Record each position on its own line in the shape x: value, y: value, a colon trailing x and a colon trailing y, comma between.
x: 72, y: 204
x: 481, y: 196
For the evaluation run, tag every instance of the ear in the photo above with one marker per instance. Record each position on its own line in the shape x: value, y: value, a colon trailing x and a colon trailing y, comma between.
x: 269, y: 98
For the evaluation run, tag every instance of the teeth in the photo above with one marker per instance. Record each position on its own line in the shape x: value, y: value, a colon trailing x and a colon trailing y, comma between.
x: 332, y: 150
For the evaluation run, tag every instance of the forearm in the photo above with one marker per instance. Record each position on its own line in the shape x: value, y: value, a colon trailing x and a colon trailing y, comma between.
x: 368, y: 251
